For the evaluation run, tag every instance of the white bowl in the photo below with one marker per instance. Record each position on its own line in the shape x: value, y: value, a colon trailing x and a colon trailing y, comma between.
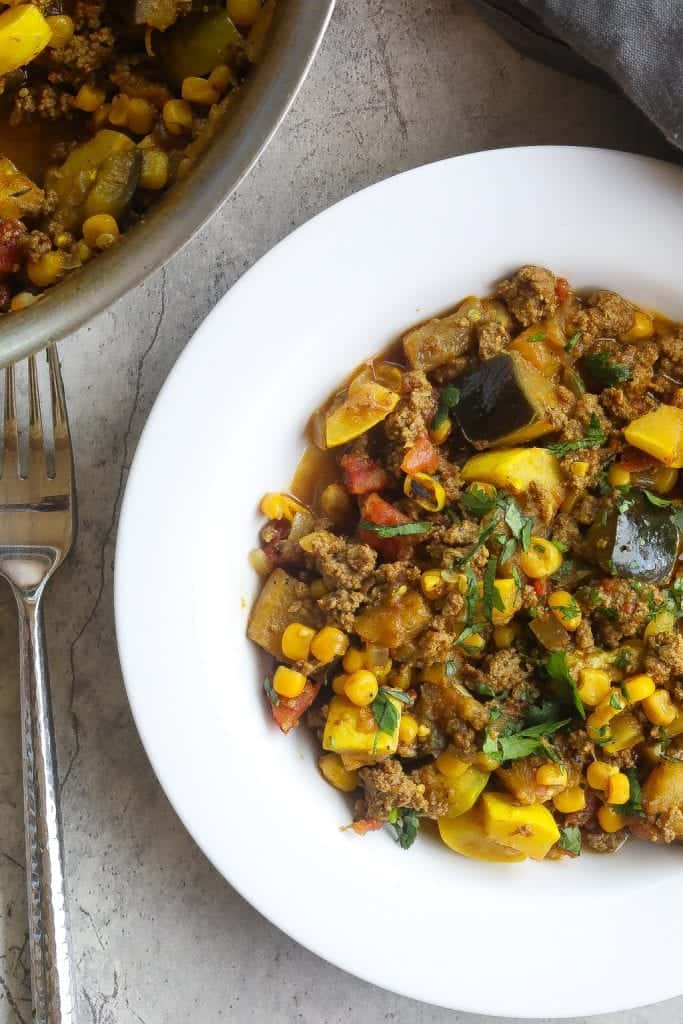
x: 529, y: 940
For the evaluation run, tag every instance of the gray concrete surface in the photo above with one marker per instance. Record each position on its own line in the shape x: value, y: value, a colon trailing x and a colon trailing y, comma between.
x: 159, y: 937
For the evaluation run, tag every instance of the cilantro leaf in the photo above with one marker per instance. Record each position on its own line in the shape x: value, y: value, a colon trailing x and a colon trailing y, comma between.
x: 655, y: 499
x: 634, y: 806
x: 531, y: 740
x: 557, y: 668
x: 519, y: 524
x: 471, y: 594
x: 490, y: 593
x: 385, y: 712
x: 567, y: 611
x: 594, y: 438
x: 536, y: 336
x: 479, y: 543
x: 448, y: 399
x: 570, y: 839
x: 401, y: 530
x: 273, y: 697
x: 573, y: 342
x: 406, y: 824
x: 477, y: 502
x: 604, y: 371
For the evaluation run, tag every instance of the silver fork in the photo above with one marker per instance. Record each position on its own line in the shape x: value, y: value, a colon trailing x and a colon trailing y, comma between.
x: 37, y: 525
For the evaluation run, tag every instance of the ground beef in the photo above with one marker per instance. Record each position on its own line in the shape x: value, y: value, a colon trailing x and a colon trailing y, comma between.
x: 587, y: 509
x: 344, y: 563
x: 504, y: 670
x: 492, y: 338
x: 529, y: 295
x: 671, y: 356
x: 606, y: 314
x: 436, y: 644
x: 605, y: 842
x: 386, y: 787
x: 435, y: 790
x: 617, y: 610
x: 664, y: 659
x: 340, y: 607
x: 412, y: 417
x: 439, y: 708
x: 584, y: 636
x: 566, y: 531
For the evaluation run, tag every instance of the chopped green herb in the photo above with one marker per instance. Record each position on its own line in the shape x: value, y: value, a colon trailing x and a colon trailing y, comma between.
x: 401, y: 530
x: 560, y: 545
x: 477, y: 502
x: 570, y: 840
x: 605, y: 372
x: 655, y: 499
x: 448, y: 399
x: 491, y: 595
x: 568, y: 611
x: 450, y: 668
x: 465, y: 634
x: 517, y: 577
x: 634, y: 806
x: 385, y: 712
x: 519, y: 524
x: 616, y: 702
x: 595, y: 437
x: 557, y: 668
x: 678, y: 519
x: 406, y: 824
x: 537, y: 336
x: 273, y: 697
x: 479, y: 543
x: 507, y: 550
x: 523, y: 743
x: 453, y: 515
x: 471, y: 594
x: 573, y: 342
x: 622, y: 660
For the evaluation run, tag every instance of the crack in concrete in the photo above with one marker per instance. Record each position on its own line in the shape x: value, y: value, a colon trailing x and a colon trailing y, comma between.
x: 89, y: 916
x: 11, y: 859
x: 97, y: 1011
x: 11, y: 1000
x: 389, y: 72
x: 125, y: 465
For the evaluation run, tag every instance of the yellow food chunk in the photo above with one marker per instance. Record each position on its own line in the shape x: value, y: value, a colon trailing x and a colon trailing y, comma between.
x: 570, y: 801
x: 579, y: 469
x: 594, y: 685
x: 154, y: 169
x: 516, y: 469
x: 24, y: 32
x: 473, y: 645
x: 665, y: 479
x: 353, y: 659
x: 598, y: 774
x: 100, y: 230
x: 618, y: 788
x: 637, y: 688
x: 287, y: 682
x: 466, y: 835
x: 565, y: 609
x: 363, y: 407
x: 361, y: 687
x: 407, y: 729
x: 450, y: 765
x: 296, y: 641
x: 465, y: 790
x: 141, y: 116
x: 329, y: 643
x: 280, y: 506
x: 551, y: 775
x: 510, y: 598
x: 393, y: 624
x: 625, y: 732
x: 609, y: 819
x: 335, y: 502
x: 46, y: 270
x: 618, y: 477
x: 62, y: 29
x: 658, y: 708
x: 426, y: 491
x: 339, y: 684
x: 439, y: 435
x: 661, y: 622
x: 88, y: 98
x: 505, y: 636
x: 530, y: 830
x: 200, y: 91
x: 660, y: 434
x: 222, y: 77
x: 642, y: 327
x: 541, y: 560
x: 336, y: 774
x: 244, y: 12
x: 346, y: 731
x: 177, y: 116
x: 433, y: 585
x: 663, y: 791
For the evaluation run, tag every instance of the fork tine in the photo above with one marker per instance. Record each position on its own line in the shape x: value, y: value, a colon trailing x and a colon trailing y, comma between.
x: 10, y: 435
x: 62, y: 439
x: 36, y: 446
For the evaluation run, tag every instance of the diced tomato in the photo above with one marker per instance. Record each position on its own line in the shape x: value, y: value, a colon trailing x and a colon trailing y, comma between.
x: 421, y: 458
x: 539, y: 587
x: 363, y: 475
x: 378, y: 511
x: 635, y: 461
x: 290, y: 709
x: 365, y: 825
x: 561, y: 288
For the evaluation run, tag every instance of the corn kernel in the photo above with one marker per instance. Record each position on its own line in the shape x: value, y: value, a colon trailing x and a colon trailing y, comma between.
x: 610, y: 820
x: 407, y: 729
x: 244, y: 12
x: 329, y: 643
x: 141, y: 116
x: 62, y: 28
x: 221, y: 78
x: 594, y: 685
x: 450, y: 765
x: 89, y: 98
x: 485, y: 762
x: 597, y: 723
x: 22, y: 300
x: 101, y: 116
x: 598, y: 774
x: 46, y: 270
x: 473, y: 645
x: 83, y: 251
x: 658, y: 708
x: 565, y: 609
x: 637, y: 688
x: 541, y: 560
x: 99, y: 229
x: 336, y: 774
x: 551, y: 775
x: 177, y: 115
x: 642, y: 327
x: 423, y: 731
x: 354, y: 659
x: 618, y: 477
x: 335, y: 502
x: 154, y: 170
x: 505, y: 636
x: 338, y: 684
x: 199, y: 90
x: 433, y: 585
x: 287, y: 682
x: 439, y: 435
x: 280, y: 506
x: 665, y: 480
x: 426, y: 491
x: 296, y: 641
x: 361, y: 688
x: 661, y: 622
x: 118, y: 114
x: 618, y: 788
x: 579, y: 469
x: 570, y: 801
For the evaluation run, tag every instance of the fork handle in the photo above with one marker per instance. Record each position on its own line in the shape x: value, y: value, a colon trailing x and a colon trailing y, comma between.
x: 52, y: 986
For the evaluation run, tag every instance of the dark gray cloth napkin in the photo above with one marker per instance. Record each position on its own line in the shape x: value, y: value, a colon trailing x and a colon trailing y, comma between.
x: 635, y: 44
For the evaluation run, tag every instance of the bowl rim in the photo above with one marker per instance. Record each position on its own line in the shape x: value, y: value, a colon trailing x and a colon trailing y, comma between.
x: 297, y: 32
